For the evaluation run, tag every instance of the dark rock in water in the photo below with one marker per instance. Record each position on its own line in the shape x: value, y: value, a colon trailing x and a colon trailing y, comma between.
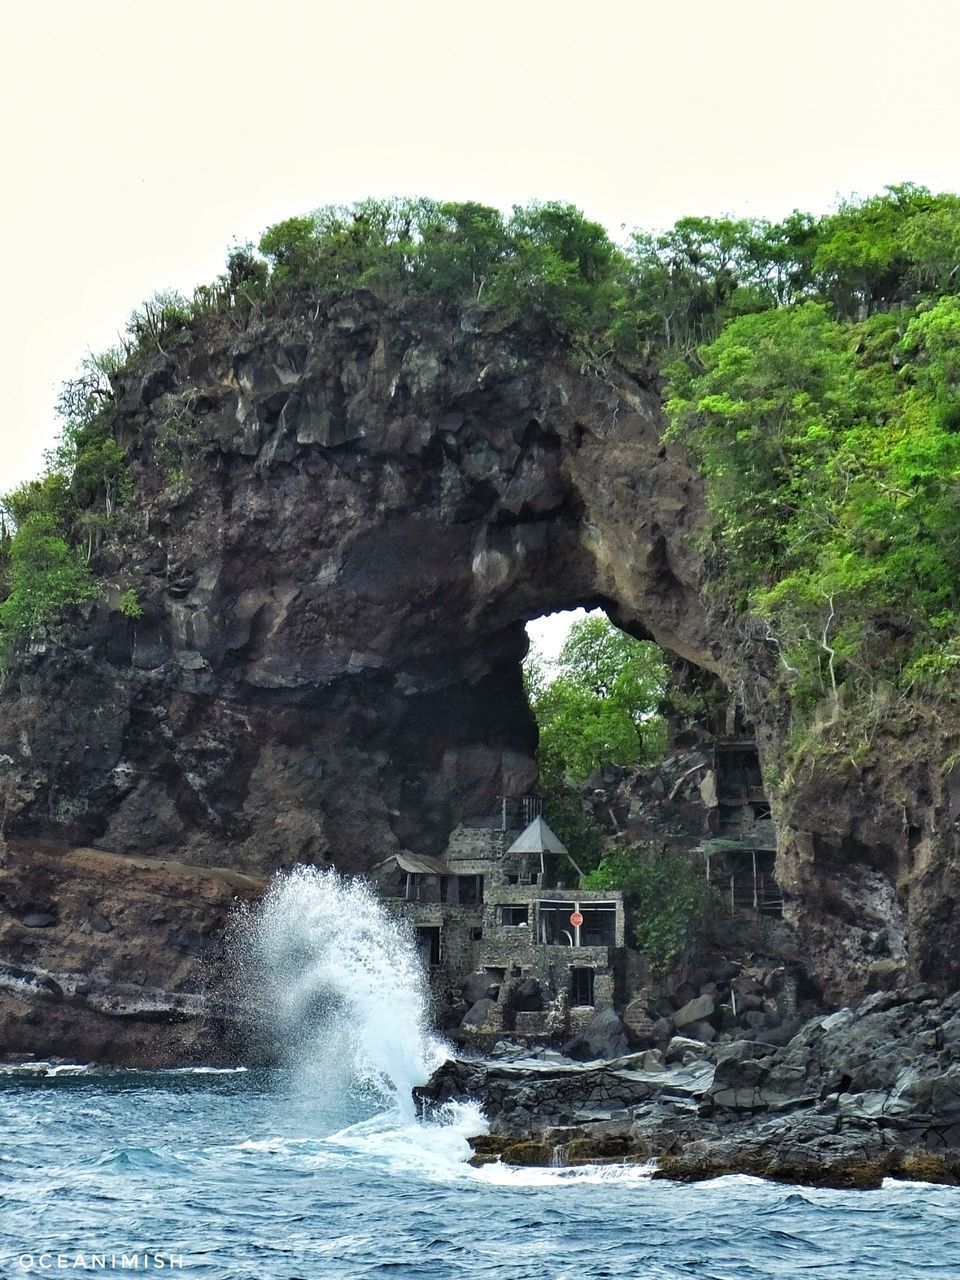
x: 854, y: 1097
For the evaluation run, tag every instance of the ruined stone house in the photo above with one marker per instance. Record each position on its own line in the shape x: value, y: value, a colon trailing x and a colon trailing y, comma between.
x: 491, y: 913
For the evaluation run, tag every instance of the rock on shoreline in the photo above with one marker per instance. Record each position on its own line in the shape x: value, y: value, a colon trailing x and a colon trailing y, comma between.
x: 855, y: 1096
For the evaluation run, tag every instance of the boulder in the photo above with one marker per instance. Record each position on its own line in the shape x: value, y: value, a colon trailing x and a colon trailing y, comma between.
x: 662, y: 1030
x: 638, y: 1022
x: 38, y: 920
x: 884, y: 975
x: 526, y: 996
x: 695, y: 1010
x: 602, y: 1037
x: 683, y: 994
x: 680, y: 1046
x: 702, y: 1031
x: 483, y: 1015
x: 756, y: 1019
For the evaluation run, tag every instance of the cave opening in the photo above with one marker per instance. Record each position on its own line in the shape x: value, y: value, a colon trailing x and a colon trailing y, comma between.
x: 600, y: 695
x: 640, y: 745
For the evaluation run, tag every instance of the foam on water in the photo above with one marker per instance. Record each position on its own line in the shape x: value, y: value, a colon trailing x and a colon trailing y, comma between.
x: 345, y: 995
x: 503, y: 1175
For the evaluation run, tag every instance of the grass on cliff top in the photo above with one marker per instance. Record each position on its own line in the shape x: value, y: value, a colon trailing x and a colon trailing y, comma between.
x: 811, y: 368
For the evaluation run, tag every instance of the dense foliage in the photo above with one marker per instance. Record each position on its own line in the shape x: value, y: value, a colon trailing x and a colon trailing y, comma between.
x: 667, y: 899
x: 827, y: 428
x: 812, y: 368
x: 598, y: 706
x: 51, y: 528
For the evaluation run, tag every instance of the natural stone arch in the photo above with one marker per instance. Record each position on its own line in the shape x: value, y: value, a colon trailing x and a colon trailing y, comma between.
x: 375, y: 501
x: 328, y: 659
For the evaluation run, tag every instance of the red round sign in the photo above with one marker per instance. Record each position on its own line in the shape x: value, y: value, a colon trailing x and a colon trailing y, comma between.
x: 576, y: 919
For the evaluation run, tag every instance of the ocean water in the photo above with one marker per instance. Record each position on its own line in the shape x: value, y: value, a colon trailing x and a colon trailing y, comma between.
x: 248, y: 1175
x: 320, y: 1169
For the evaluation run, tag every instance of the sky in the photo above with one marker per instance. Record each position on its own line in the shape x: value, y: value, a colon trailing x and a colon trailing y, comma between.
x: 138, y: 141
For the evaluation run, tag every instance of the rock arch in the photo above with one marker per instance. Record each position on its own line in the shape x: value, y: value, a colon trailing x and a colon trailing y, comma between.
x: 328, y: 660
x: 335, y: 572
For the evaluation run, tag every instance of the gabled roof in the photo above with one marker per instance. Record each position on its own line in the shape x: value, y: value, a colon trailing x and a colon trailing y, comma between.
x: 417, y: 864
x: 538, y: 838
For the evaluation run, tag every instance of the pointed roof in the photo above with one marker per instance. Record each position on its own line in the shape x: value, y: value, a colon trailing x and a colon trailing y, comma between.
x: 538, y: 838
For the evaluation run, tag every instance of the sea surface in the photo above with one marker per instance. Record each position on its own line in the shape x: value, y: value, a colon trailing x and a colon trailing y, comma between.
x: 230, y: 1175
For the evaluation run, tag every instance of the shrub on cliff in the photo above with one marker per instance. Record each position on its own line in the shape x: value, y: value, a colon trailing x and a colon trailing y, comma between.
x: 832, y: 463
x: 666, y: 896
x: 546, y: 261
x: 47, y: 575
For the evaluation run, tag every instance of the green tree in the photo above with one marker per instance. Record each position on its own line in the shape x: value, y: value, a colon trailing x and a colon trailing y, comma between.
x: 666, y: 895
x: 463, y: 248
x: 291, y: 248
x: 601, y: 706
x: 861, y: 260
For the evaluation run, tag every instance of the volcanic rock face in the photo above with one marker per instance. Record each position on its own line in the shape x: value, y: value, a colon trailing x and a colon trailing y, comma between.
x: 327, y: 664
x: 342, y: 519
x: 105, y: 958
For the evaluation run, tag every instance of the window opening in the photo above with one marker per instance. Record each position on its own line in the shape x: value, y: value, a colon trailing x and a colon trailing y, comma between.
x: 581, y: 986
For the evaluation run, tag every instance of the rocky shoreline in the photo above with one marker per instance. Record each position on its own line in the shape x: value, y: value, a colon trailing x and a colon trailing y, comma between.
x: 855, y: 1096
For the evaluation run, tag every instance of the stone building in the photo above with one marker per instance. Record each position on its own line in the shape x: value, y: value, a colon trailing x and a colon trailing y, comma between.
x: 493, y: 922
x: 740, y: 849
x: 706, y: 800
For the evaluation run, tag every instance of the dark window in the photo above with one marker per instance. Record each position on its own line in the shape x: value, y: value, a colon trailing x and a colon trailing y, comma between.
x: 581, y: 986
x: 476, y: 935
x: 428, y: 944
x: 470, y: 890
x: 426, y: 888
x: 599, y: 927
x: 515, y: 915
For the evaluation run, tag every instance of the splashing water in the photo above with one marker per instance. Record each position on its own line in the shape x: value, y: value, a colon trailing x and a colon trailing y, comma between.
x: 341, y: 983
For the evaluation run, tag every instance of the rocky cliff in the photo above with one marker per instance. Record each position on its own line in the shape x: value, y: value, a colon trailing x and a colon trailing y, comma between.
x: 109, y: 958
x: 342, y: 518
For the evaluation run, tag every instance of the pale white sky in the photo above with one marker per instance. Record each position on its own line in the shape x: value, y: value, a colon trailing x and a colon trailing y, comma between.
x: 547, y: 634
x: 139, y: 139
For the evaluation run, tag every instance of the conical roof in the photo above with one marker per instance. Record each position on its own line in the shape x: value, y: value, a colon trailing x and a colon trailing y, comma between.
x: 538, y: 838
